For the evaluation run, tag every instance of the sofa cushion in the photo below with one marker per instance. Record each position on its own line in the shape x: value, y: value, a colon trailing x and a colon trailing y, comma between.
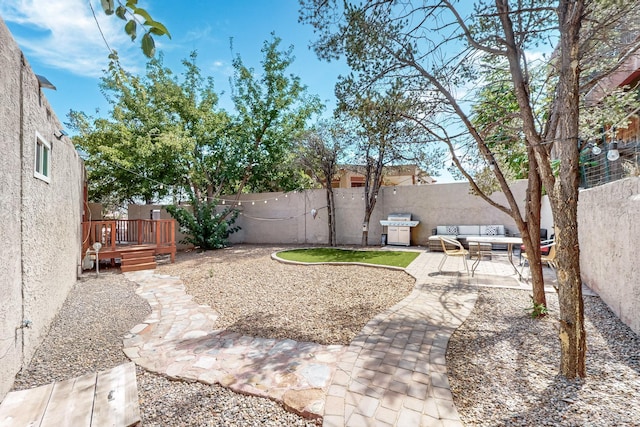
x: 450, y: 230
x: 468, y: 230
x: 492, y: 230
x: 437, y: 237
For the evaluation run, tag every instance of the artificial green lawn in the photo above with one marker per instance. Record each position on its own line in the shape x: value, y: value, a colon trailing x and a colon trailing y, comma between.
x: 391, y: 258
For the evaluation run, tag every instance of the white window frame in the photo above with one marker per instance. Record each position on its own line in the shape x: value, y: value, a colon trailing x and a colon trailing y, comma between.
x: 42, y: 159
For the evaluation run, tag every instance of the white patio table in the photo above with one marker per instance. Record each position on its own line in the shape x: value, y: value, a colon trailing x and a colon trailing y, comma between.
x: 509, y: 241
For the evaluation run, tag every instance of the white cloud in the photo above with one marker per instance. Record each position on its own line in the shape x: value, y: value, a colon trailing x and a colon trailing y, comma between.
x: 222, y: 68
x: 198, y: 33
x: 63, y: 34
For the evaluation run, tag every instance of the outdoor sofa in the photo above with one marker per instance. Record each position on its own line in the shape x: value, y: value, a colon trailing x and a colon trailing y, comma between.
x: 462, y: 232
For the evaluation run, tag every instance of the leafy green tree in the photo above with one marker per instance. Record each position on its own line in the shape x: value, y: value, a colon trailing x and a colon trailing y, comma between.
x: 272, y: 113
x: 165, y: 137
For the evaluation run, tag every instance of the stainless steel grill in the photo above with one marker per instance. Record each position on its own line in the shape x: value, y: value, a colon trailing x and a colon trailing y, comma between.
x: 399, y: 228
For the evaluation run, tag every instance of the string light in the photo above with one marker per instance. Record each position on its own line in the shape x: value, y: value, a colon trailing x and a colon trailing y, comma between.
x: 234, y: 201
x: 613, y: 154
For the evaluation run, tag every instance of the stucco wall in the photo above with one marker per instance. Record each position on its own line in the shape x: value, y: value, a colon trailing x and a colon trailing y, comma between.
x: 609, y: 232
x: 41, y: 228
x: 289, y: 220
x: 93, y: 211
x: 10, y: 165
x: 546, y: 216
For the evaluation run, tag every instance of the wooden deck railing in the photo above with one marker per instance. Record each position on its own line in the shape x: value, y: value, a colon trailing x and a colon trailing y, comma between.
x: 120, y: 232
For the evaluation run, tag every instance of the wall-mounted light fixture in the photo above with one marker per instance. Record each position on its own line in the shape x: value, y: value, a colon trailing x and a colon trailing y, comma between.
x: 43, y: 82
x: 613, y: 154
x: 59, y: 134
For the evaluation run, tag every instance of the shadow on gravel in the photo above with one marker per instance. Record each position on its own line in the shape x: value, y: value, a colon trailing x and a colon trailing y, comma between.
x: 503, y: 366
x: 622, y: 341
x: 340, y: 326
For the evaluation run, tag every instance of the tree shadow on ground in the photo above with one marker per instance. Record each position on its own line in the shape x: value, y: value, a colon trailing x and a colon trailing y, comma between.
x: 340, y: 326
x: 505, y: 351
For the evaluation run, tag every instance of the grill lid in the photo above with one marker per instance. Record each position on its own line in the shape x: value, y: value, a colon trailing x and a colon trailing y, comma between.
x: 399, y: 220
x: 399, y: 217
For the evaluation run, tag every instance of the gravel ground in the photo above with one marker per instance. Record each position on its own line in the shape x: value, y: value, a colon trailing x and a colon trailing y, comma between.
x: 502, y: 364
x: 257, y: 296
x: 503, y: 367
x: 86, y: 336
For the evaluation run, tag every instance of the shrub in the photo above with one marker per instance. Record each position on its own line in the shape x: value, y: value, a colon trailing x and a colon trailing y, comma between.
x: 206, y: 227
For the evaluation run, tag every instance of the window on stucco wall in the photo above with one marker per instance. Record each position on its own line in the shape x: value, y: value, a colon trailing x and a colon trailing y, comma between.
x: 42, y: 168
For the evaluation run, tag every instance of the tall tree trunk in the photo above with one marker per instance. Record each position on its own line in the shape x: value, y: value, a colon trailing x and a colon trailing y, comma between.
x: 532, y: 215
x: 368, y: 209
x: 530, y: 226
x: 331, y: 222
x: 565, y: 195
x: 373, y: 181
x: 564, y: 189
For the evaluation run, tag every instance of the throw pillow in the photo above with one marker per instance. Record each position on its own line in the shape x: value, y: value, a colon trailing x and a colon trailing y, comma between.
x: 491, y: 230
x: 452, y: 229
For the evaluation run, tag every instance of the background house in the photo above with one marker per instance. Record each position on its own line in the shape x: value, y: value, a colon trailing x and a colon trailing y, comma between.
x: 352, y: 176
x: 41, y: 198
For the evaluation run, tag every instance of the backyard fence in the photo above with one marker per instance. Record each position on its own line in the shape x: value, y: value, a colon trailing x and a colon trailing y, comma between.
x: 599, y: 166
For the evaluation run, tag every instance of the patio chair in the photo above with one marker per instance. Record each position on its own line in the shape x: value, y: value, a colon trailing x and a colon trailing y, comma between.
x: 548, y: 246
x: 543, y: 240
x: 459, y: 251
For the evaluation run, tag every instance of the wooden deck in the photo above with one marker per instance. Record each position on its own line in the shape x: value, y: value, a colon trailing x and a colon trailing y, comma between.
x: 107, y: 398
x: 124, y: 238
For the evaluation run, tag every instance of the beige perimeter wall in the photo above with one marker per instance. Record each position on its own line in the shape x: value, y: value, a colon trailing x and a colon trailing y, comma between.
x: 40, y: 228
x: 289, y: 219
x: 609, y: 230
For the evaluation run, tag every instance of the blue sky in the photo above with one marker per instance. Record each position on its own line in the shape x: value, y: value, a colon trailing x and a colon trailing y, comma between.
x: 62, y: 42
